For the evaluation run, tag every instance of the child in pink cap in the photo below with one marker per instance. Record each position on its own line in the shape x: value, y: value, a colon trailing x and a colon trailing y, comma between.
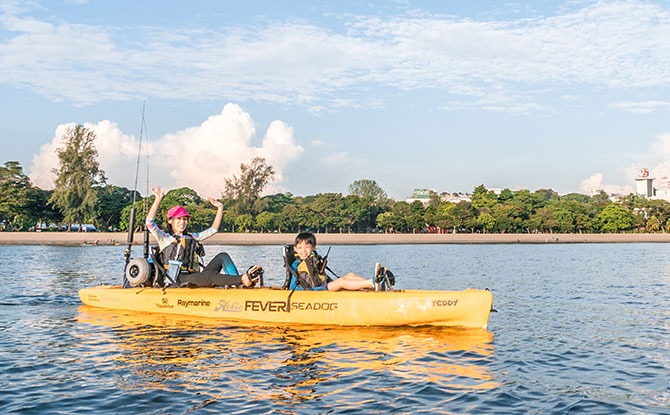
x: 175, y: 244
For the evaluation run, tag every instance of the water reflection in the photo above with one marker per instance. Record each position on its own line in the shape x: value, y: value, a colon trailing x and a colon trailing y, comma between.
x: 285, y: 364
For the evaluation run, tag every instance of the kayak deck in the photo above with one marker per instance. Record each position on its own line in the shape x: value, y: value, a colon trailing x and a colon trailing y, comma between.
x: 468, y: 308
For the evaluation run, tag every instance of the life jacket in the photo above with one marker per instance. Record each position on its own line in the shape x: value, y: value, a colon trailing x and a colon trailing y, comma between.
x: 311, y: 273
x: 185, y: 249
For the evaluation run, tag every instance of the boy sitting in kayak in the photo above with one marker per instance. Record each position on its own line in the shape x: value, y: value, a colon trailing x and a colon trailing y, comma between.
x: 310, y: 271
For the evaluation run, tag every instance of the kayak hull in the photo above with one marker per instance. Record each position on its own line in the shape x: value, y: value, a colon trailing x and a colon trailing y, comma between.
x: 468, y: 308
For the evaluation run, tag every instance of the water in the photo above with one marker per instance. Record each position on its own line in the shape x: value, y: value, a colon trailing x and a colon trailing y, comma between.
x: 580, y: 329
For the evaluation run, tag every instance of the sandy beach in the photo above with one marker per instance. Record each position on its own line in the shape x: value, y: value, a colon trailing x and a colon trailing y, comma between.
x: 106, y: 238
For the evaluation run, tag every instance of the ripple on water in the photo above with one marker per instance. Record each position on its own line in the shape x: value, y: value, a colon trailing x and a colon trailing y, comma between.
x: 580, y: 329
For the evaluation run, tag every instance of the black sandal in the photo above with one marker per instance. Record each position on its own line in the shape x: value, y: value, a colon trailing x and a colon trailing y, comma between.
x: 389, y: 278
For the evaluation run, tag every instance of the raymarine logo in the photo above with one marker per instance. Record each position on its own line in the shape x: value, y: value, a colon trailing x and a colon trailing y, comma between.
x: 193, y: 303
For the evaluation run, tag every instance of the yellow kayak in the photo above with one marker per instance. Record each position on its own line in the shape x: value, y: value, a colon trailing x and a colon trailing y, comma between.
x: 468, y: 308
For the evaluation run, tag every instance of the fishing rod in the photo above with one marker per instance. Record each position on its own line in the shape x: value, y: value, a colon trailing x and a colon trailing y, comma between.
x: 131, y: 219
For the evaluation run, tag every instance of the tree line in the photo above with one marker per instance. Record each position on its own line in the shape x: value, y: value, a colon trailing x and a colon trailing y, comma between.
x: 82, y: 195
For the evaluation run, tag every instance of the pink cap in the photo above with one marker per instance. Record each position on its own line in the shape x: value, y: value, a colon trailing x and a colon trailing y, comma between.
x: 177, y: 212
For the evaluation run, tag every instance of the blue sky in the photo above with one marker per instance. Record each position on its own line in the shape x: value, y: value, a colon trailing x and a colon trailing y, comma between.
x: 572, y: 96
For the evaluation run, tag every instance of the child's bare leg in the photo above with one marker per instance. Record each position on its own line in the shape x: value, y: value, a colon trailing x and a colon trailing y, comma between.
x: 353, y: 277
x: 350, y: 282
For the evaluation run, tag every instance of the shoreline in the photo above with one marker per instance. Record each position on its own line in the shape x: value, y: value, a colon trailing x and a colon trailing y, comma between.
x: 120, y: 238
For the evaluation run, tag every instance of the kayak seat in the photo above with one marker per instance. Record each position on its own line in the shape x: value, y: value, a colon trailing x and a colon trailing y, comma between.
x: 159, y: 271
x: 289, y: 259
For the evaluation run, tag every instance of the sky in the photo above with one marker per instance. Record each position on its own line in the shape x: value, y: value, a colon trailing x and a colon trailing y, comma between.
x: 572, y: 96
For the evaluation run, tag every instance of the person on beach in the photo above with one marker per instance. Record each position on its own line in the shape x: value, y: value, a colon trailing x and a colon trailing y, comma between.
x: 183, y: 250
x: 308, y: 271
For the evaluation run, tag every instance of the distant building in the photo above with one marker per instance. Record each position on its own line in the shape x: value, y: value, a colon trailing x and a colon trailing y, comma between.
x: 455, y: 197
x: 644, y: 186
x: 421, y: 195
x: 424, y: 195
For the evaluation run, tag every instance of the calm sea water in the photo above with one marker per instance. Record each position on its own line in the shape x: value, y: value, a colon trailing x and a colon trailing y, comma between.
x: 580, y: 329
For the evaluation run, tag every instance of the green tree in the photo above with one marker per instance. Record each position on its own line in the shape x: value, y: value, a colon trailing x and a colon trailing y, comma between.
x: 415, y: 217
x: 600, y: 198
x: 246, y: 189
x: 430, y: 214
x: 356, y: 214
x: 244, y: 222
x: 615, y: 218
x: 581, y: 213
x: 464, y: 216
x: 443, y: 217
x: 528, y: 201
x: 482, y: 198
x: 565, y: 220
x: 77, y: 174
x: 111, y: 201
x: 374, y: 197
x: 275, y: 203
x: 542, y: 220
x: 228, y: 220
x: 653, y: 224
x: 576, y: 197
x: 505, y: 195
x: 369, y: 191
x: 485, y: 222
x: 547, y: 195
x: 390, y: 221
x: 292, y: 216
x: 326, y: 211
x: 633, y: 201
x: 16, y: 195
x: 42, y: 211
x: 509, y: 218
x: 435, y: 200
x: 266, y: 221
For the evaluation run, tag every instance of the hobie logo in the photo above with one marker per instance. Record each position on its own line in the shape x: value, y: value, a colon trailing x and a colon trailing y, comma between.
x: 229, y: 306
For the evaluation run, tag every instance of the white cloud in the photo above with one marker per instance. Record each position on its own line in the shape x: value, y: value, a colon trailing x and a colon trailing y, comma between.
x: 200, y: 157
x: 643, y: 107
x: 595, y: 184
x: 656, y: 160
x: 607, y: 45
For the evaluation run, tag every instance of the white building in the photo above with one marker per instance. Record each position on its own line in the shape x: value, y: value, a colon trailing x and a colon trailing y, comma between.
x: 421, y: 195
x: 644, y: 186
x: 424, y: 195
